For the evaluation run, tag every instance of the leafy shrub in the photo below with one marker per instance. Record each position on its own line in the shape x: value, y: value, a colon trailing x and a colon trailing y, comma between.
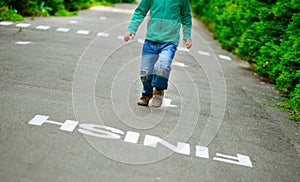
x: 264, y: 32
x: 10, y: 14
x: 51, y: 7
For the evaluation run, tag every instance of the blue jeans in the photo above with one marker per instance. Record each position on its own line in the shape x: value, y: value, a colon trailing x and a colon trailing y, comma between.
x: 156, y: 65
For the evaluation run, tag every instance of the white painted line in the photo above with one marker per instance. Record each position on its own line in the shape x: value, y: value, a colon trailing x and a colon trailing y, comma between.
x: 132, y: 137
x: 225, y: 57
x: 23, y: 25
x: 179, y: 48
x: 141, y: 41
x: 241, y: 160
x: 166, y: 103
x: 38, y: 120
x: 121, y: 37
x: 69, y: 125
x: 5, y: 23
x: 42, y: 27
x: 203, y: 53
x: 122, y: 11
x: 181, y: 148
x: 102, y: 18
x: 184, y: 148
x: 73, y: 22
x: 83, y: 32
x: 202, y: 152
x: 62, y: 29
x: 102, y: 34
x: 175, y: 63
x: 23, y: 42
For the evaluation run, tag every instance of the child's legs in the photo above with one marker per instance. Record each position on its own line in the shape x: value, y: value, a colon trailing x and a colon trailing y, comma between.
x: 162, y: 67
x: 149, y: 57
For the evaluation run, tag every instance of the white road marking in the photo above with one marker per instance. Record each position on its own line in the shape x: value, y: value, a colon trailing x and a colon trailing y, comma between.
x: 106, y: 132
x: 23, y: 25
x: 179, y: 48
x: 121, y: 37
x: 62, y: 29
x: 202, y: 152
x: 111, y: 9
x: 141, y: 41
x: 5, y: 23
x: 203, y: 53
x: 175, y: 63
x: 132, y: 137
x: 181, y: 148
x: 68, y: 125
x: 42, y: 27
x: 225, y: 57
x: 73, y: 22
x: 241, y: 160
x: 102, y: 34
x: 166, y: 103
x: 23, y: 42
x: 83, y: 32
x: 102, y: 18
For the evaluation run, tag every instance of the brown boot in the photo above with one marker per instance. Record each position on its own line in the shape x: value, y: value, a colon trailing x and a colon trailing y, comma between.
x: 158, y: 96
x: 144, y: 100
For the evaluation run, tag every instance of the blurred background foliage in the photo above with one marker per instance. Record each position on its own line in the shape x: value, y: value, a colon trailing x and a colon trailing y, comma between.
x: 265, y: 33
x: 13, y: 10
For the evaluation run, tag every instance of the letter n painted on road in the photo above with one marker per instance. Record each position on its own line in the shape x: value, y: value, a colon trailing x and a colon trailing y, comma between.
x: 39, y: 120
x: 181, y: 148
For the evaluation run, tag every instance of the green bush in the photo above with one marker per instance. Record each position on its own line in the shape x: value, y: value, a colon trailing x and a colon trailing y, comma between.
x: 50, y: 7
x: 10, y: 14
x: 265, y: 33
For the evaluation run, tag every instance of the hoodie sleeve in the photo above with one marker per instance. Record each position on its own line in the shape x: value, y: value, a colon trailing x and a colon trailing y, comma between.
x: 186, y: 20
x: 138, y: 16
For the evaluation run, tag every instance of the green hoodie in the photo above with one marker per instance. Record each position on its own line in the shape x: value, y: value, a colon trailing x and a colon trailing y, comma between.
x: 167, y: 17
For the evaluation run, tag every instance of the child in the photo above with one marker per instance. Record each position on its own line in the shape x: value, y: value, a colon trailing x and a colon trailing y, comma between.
x: 162, y: 37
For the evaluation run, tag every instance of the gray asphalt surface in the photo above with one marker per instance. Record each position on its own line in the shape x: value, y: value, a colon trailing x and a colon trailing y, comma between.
x: 215, y: 104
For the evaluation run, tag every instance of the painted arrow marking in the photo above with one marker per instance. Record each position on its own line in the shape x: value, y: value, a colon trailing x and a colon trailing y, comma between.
x: 241, y: 160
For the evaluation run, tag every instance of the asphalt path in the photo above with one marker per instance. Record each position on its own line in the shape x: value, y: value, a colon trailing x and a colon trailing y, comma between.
x: 69, y: 87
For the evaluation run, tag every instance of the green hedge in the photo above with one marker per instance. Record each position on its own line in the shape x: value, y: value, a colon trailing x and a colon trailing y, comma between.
x: 264, y: 32
x: 14, y: 9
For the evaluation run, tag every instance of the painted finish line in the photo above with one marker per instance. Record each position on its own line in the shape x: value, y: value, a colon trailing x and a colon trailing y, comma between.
x: 131, y: 137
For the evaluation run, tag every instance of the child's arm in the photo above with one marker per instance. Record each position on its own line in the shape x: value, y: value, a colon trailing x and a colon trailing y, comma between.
x: 186, y: 20
x: 137, y: 18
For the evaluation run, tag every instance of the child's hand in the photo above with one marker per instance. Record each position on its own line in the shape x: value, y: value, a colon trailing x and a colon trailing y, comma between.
x: 128, y: 36
x: 187, y: 43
